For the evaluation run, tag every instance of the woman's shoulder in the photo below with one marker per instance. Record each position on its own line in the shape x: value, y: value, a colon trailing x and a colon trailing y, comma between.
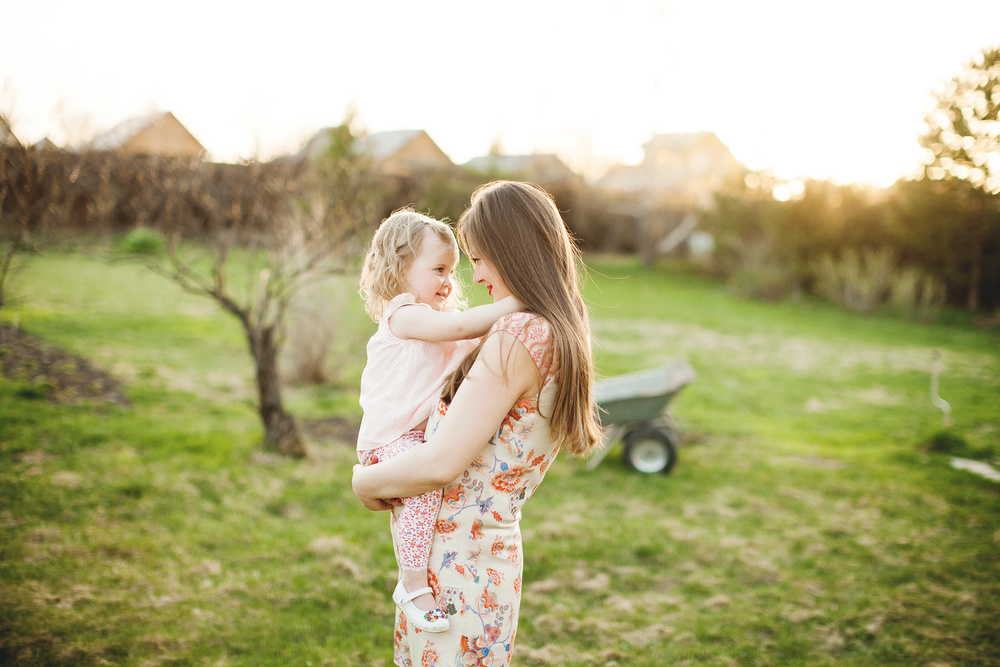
x: 522, y: 324
x: 533, y: 331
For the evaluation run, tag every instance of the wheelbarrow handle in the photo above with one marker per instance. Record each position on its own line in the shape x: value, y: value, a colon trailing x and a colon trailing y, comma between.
x: 612, y: 434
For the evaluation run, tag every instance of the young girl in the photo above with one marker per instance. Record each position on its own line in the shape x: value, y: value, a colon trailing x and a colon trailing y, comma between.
x: 407, y: 284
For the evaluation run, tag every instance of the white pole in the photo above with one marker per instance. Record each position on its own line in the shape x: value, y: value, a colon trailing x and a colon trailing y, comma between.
x: 939, y: 402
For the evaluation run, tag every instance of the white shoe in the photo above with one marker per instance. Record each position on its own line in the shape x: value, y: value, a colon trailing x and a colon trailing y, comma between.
x: 429, y: 621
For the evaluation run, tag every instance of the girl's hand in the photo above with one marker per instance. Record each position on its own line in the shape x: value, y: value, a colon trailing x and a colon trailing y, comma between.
x: 374, y: 504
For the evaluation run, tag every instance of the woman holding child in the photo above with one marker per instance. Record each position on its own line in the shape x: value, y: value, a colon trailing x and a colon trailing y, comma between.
x: 522, y: 395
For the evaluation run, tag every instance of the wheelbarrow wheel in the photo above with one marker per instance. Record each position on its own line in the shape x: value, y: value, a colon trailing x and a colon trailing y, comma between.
x: 650, y: 450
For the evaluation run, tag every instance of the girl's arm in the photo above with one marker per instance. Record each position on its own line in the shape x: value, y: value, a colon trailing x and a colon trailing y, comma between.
x: 503, y: 374
x: 437, y: 326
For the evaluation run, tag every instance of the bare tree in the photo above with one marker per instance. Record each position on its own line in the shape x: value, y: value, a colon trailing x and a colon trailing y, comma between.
x: 13, y: 229
x: 249, y: 236
x: 33, y: 184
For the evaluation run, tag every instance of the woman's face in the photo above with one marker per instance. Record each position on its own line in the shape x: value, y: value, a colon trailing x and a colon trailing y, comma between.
x: 484, y: 273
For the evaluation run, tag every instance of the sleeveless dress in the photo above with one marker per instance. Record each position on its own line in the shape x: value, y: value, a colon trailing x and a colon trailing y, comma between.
x: 476, y: 559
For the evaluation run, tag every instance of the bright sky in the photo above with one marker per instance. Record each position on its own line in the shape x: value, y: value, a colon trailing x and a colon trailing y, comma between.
x: 833, y: 90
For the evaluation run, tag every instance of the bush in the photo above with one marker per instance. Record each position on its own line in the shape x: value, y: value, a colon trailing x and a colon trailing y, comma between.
x: 760, y: 275
x: 309, y: 336
x: 867, y: 280
x: 860, y: 282
x: 326, y: 330
x: 947, y: 229
x: 143, y: 241
x: 917, y: 294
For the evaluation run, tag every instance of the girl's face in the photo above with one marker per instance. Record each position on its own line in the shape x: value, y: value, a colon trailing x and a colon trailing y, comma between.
x: 429, y: 277
x: 485, y: 273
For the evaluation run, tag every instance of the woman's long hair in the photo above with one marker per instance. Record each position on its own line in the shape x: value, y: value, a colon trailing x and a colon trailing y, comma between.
x: 517, y: 227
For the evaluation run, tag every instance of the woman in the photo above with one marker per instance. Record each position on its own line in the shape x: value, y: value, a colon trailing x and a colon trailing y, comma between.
x: 523, y: 394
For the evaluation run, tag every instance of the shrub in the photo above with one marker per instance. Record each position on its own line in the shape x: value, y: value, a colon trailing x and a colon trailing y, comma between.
x: 761, y: 276
x: 860, y: 282
x: 309, y: 334
x: 916, y: 293
x: 865, y: 281
x: 326, y: 330
x: 144, y: 241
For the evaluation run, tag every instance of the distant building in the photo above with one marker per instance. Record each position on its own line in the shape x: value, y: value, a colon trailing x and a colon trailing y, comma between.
x: 45, y: 144
x: 7, y: 137
x: 684, y: 167
x: 155, y: 134
x: 397, y: 152
x: 542, y: 168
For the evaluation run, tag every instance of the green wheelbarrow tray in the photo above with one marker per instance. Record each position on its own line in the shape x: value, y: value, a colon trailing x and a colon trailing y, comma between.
x: 633, y: 409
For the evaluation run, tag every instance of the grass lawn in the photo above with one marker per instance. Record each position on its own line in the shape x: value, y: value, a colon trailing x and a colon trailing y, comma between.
x: 804, y: 524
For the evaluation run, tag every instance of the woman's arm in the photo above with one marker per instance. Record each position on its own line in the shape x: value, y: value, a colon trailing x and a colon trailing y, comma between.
x: 503, y: 374
x: 437, y: 326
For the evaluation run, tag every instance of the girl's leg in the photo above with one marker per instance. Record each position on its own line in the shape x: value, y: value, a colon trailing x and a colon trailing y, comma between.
x: 414, y: 533
x: 414, y: 527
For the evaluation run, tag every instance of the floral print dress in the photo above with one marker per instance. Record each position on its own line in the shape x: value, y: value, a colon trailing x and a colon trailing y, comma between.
x: 476, y: 559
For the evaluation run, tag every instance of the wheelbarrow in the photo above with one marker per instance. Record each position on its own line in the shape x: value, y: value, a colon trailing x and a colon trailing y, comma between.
x: 634, y: 411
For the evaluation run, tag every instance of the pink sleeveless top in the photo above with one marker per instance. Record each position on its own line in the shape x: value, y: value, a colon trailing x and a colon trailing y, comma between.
x: 403, y: 379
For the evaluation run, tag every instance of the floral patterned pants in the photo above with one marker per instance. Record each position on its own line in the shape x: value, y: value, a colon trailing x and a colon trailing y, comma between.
x: 415, y: 522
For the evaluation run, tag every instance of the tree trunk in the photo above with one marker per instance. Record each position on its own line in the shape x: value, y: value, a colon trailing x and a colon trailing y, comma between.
x: 5, y: 262
x: 647, y: 248
x: 280, y: 431
x: 972, y: 299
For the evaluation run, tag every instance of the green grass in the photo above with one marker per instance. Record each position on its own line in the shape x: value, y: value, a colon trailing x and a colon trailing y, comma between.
x: 804, y: 523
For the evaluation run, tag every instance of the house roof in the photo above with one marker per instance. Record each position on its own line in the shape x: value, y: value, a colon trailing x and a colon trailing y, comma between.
x: 679, y: 141
x: 120, y: 134
x: 510, y: 163
x: 702, y: 160
x: 380, y: 145
x: 385, y: 144
x: 7, y: 137
x: 316, y: 146
x: 538, y: 165
x: 45, y: 144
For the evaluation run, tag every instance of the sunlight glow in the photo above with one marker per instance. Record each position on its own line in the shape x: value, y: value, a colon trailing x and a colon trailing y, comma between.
x: 789, y: 190
x: 773, y: 80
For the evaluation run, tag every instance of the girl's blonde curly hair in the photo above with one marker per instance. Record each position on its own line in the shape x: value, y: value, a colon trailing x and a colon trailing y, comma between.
x: 393, y: 248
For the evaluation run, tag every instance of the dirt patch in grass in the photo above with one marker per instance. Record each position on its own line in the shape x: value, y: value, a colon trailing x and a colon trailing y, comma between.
x: 53, y: 373
x: 658, y: 341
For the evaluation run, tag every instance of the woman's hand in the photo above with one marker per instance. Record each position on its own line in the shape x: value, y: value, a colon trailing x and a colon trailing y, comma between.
x: 503, y: 373
x: 372, y: 503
